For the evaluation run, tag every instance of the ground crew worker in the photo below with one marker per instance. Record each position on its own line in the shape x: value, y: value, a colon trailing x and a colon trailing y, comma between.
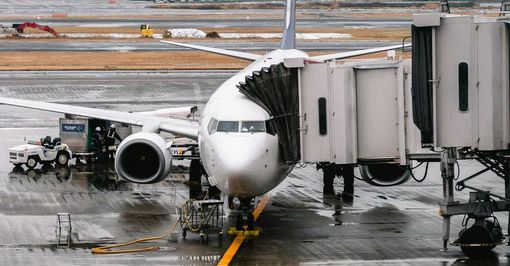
x: 110, y: 137
x: 98, y: 140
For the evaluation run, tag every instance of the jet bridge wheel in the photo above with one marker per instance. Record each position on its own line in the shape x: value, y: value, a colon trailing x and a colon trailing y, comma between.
x: 479, y: 239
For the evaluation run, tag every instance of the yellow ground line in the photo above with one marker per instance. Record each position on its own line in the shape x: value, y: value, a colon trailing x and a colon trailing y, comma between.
x: 238, y: 241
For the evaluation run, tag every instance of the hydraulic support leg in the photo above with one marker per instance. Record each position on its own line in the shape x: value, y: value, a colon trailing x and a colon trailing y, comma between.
x: 328, y: 179
x: 506, y: 168
x: 448, y: 160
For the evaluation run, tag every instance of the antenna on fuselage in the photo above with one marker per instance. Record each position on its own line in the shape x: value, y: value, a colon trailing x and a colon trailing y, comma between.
x: 289, y: 32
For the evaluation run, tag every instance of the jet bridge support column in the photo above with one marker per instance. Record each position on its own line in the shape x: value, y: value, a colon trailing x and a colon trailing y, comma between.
x: 506, y: 168
x: 448, y: 160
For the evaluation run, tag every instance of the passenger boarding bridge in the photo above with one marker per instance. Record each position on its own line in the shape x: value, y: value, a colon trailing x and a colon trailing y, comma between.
x: 450, y: 102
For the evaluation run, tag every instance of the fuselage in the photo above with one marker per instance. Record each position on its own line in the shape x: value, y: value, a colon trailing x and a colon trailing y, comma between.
x: 239, y: 153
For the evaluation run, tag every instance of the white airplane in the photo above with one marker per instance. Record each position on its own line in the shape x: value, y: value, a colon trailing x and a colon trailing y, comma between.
x: 240, y: 154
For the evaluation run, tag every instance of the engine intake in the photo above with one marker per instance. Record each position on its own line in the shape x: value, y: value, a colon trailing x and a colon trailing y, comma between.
x: 384, y: 175
x: 143, y: 158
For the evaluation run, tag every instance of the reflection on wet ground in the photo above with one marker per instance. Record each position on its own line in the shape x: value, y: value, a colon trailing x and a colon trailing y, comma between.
x: 394, y: 225
x: 85, y: 178
x: 104, y: 209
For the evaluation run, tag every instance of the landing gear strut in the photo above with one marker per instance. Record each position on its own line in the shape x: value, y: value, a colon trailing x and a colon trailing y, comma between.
x: 195, y: 180
x: 246, y: 221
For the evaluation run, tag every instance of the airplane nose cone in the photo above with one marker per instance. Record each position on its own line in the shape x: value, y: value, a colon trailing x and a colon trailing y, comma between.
x: 246, y: 166
x: 239, y: 156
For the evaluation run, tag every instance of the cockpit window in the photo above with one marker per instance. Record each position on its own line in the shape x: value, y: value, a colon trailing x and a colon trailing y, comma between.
x: 228, y: 126
x: 253, y: 126
x: 211, y: 127
x: 240, y: 126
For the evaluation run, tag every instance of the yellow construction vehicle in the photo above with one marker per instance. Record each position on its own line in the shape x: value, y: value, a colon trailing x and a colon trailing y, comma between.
x: 146, y: 31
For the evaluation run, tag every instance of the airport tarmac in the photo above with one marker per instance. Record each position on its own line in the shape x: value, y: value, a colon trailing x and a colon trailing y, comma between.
x: 131, y: 46
x: 383, y: 226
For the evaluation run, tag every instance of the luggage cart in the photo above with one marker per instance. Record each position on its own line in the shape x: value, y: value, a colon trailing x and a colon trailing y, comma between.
x: 203, y: 217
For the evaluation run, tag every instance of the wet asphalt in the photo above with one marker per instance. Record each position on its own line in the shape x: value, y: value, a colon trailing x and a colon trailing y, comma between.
x: 382, y: 226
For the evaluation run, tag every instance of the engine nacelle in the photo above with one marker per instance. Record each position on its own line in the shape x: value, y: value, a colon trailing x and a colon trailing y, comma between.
x: 143, y: 158
x: 384, y: 175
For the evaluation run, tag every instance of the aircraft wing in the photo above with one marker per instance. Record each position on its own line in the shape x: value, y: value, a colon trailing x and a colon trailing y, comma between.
x: 170, y: 112
x: 236, y: 54
x: 358, y: 52
x: 175, y: 126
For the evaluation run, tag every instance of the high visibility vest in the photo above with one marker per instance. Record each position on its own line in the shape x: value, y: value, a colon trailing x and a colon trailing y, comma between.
x: 112, y: 136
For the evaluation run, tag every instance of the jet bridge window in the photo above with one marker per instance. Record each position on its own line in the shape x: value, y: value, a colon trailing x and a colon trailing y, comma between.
x: 253, y: 126
x: 228, y: 126
x: 323, y: 120
x: 463, y: 87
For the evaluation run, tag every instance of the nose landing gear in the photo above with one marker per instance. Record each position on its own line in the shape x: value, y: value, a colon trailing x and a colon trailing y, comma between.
x: 245, y: 221
x: 245, y: 226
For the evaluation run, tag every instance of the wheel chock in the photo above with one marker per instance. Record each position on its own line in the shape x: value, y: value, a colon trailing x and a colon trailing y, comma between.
x: 247, y: 233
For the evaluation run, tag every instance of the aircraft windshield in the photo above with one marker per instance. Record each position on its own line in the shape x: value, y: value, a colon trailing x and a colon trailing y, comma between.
x: 253, y: 126
x: 233, y: 126
x: 228, y: 126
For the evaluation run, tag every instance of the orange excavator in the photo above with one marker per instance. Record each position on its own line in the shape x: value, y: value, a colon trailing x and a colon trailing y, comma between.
x: 20, y: 27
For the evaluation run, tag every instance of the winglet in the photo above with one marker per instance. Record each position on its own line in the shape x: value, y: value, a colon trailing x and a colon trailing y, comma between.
x: 289, y: 32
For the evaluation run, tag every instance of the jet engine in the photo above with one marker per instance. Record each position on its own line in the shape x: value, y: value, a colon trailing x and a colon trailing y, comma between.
x: 384, y: 175
x: 143, y: 158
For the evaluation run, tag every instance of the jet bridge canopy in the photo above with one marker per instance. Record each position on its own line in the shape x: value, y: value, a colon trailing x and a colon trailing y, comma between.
x: 276, y: 90
x: 421, y: 82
